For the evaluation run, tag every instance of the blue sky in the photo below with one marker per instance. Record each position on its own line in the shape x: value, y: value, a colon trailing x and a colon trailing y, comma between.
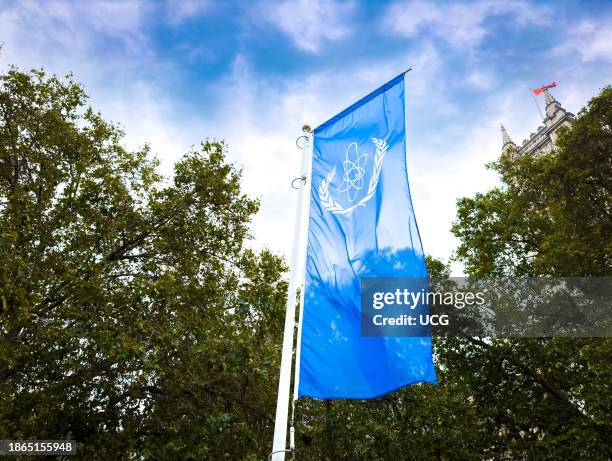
x: 175, y: 72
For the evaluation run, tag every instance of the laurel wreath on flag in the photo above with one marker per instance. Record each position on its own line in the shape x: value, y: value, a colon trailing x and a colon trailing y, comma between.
x: 334, y: 207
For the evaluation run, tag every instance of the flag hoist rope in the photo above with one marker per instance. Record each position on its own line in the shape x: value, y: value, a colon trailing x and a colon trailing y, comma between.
x: 296, y: 281
x: 536, y: 103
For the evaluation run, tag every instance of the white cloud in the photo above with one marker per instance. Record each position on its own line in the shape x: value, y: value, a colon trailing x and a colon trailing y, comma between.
x: 480, y: 79
x: 459, y: 24
x: 68, y: 35
x: 178, y: 11
x: 310, y: 23
x: 75, y: 25
x: 591, y: 40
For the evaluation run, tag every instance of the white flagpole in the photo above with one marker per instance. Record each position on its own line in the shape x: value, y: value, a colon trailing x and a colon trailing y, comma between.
x: 297, y: 267
x: 303, y: 245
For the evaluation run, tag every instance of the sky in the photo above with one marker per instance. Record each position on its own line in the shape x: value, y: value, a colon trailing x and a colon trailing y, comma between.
x: 173, y: 73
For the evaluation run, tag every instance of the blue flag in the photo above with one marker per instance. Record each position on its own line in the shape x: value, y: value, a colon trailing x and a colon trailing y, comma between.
x: 361, y: 225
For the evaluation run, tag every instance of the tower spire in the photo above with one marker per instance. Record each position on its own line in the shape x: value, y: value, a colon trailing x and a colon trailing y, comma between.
x: 552, y: 105
x: 550, y: 99
x: 507, y: 143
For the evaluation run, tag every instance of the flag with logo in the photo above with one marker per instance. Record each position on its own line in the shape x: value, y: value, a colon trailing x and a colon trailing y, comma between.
x: 361, y: 225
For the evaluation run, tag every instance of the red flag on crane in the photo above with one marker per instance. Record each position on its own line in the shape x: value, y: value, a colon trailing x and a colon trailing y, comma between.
x: 537, y: 91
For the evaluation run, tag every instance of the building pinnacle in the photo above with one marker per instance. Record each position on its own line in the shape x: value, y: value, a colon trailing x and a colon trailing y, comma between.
x: 507, y: 142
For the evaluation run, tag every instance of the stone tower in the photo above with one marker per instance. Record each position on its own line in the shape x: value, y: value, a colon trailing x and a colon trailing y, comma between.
x: 508, y: 145
x: 543, y: 140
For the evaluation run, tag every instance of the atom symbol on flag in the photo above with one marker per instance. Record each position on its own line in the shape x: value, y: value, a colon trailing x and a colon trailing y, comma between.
x: 354, y: 169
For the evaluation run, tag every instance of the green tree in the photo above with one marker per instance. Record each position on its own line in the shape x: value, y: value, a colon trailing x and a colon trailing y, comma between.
x: 132, y: 318
x: 546, y: 398
x: 553, y: 215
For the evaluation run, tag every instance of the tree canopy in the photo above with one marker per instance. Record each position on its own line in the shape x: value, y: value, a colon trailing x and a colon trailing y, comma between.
x: 553, y: 215
x: 133, y: 319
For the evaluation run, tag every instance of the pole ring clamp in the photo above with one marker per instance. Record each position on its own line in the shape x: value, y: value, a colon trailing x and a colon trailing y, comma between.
x: 301, y: 141
x: 299, y: 178
x: 291, y: 450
